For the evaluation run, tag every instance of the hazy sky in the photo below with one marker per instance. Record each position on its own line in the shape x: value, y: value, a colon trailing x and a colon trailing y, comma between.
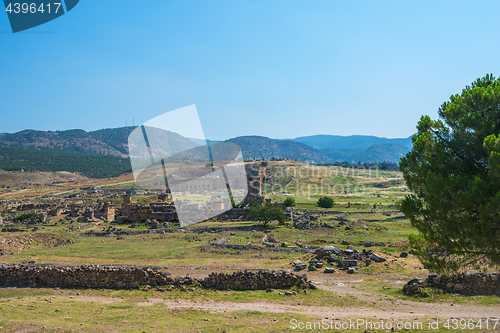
x: 281, y: 69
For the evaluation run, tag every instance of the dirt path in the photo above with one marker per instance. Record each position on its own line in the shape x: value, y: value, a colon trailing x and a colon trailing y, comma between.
x: 382, y: 310
x: 379, y: 308
x: 403, y: 310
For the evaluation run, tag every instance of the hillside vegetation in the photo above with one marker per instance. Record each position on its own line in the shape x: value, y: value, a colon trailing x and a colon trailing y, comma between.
x: 90, y: 165
x: 71, y: 141
x: 117, y: 138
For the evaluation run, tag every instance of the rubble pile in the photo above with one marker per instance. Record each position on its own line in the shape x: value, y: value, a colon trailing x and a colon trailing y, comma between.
x: 346, y: 259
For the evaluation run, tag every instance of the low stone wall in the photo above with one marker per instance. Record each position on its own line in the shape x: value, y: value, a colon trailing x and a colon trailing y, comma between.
x: 255, y: 281
x: 464, y: 283
x: 170, y: 230
x: 83, y: 276
x: 127, y: 277
x: 260, y: 248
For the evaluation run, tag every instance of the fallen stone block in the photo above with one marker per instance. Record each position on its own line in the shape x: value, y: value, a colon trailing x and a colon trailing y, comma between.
x: 349, y: 263
x: 377, y: 258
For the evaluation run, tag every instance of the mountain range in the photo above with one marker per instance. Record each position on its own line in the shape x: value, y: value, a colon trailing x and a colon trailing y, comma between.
x: 113, y: 142
x: 349, y: 142
x: 326, y: 148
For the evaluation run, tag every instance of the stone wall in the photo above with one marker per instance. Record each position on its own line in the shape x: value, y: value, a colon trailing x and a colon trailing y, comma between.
x: 464, y: 283
x: 255, y: 280
x: 81, y: 276
x: 170, y: 230
x: 260, y: 248
x: 126, y: 277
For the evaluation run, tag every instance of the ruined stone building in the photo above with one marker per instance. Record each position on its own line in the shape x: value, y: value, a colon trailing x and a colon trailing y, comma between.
x: 256, y: 175
x: 132, y: 212
x: 105, y: 211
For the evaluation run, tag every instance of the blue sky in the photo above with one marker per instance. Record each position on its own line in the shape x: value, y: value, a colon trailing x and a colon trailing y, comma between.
x: 280, y: 69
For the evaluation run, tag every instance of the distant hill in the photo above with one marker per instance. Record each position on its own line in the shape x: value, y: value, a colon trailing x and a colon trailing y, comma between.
x: 388, y: 152
x: 117, y: 138
x: 166, y: 143
x: 259, y: 147
x: 98, y: 154
x: 109, y: 141
x: 349, y: 142
x: 200, y: 142
x: 342, y: 155
x: 72, y: 140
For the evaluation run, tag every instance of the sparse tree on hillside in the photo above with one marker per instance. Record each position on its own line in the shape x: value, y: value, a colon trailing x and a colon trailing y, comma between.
x: 453, y: 170
x: 266, y: 212
x: 289, y: 202
x: 325, y: 202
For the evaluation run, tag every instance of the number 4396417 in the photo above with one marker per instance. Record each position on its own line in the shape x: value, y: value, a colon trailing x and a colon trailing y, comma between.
x: 32, y: 8
x: 490, y: 323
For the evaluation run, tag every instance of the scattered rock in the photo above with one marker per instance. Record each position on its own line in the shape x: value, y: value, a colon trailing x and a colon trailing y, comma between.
x: 329, y: 270
x: 271, y: 239
x: 300, y: 267
x: 377, y: 258
x: 332, y: 258
x: 348, y: 263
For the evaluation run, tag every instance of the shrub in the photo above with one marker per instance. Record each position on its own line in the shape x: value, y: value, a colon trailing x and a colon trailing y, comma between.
x: 325, y: 202
x: 289, y: 202
x: 25, y: 216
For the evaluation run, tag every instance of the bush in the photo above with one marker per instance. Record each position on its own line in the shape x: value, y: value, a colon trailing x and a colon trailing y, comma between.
x: 266, y: 213
x: 325, y: 202
x: 25, y: 216
x: 289, y: 202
